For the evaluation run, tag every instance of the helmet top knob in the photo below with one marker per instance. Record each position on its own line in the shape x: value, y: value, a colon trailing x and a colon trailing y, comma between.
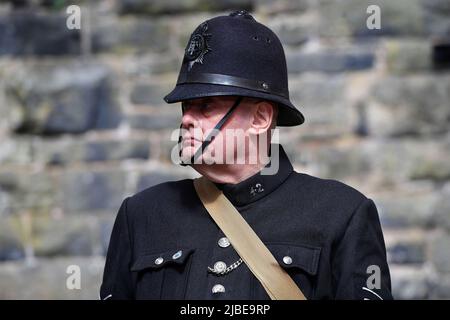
x: 242, y: 14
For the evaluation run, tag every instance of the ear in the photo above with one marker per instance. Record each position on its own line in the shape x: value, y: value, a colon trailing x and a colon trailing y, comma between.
x: 262, y: 117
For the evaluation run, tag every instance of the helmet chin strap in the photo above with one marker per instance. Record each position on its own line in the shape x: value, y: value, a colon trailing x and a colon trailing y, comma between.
x: 211, y: 135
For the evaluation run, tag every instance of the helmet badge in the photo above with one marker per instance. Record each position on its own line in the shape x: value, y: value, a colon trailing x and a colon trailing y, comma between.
x: 197, y: 46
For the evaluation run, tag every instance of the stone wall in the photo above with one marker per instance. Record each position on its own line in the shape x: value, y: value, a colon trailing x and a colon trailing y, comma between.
x: 83, y: 124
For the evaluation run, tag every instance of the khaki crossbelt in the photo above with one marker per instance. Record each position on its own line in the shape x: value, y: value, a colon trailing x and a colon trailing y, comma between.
x: 275, y: 280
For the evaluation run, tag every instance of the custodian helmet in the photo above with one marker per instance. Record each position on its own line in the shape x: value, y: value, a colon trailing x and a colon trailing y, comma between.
x: 235, y: 55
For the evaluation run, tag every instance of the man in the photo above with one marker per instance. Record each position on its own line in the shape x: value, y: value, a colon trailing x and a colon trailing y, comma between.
x: 324, y: 234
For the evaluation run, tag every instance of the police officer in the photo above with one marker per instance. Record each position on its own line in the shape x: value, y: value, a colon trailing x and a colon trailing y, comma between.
x: 326, y: 235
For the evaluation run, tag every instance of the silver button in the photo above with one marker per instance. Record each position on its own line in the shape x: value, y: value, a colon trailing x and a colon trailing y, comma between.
x: 159, y: 260
x: 223, y: 242
x: 287, y: 260
x: 220, y: 266
x: 218, y: 288
x: 177, y: 254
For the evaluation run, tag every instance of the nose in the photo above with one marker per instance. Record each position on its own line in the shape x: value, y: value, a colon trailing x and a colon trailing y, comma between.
x: 190, y: 117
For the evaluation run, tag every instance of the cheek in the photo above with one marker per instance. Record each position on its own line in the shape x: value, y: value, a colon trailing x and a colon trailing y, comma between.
x: 238, y: 120
x: 209, y: 123
x: 240, y: 123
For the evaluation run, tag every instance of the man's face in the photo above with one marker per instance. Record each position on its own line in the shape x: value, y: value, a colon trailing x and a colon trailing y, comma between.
x: 201, y: 115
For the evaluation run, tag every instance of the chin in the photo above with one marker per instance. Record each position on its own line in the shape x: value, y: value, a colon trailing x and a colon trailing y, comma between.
x: 187, y: 153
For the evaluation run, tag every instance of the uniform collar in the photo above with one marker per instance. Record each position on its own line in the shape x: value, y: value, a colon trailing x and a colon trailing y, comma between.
x: 257, y: 186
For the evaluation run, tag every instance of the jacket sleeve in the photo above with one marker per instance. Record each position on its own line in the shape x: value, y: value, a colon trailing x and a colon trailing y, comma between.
x: 360, y: 269
x: 117, y: 278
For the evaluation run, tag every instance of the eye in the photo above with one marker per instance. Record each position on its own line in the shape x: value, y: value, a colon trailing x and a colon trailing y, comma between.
x: 205, y: 108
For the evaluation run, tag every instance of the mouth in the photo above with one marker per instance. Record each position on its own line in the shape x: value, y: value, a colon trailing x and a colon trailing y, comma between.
x: 190, y: 141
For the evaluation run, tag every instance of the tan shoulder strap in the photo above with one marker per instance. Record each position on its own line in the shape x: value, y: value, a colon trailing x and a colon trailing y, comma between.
x: 275, y: 280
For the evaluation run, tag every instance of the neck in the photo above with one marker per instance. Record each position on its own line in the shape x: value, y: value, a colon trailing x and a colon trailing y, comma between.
x: 234, y: 173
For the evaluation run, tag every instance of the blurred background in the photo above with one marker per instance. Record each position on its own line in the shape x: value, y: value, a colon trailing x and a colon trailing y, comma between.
x: 83, y: 124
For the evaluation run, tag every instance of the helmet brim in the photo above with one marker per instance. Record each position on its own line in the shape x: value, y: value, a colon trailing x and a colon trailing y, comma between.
x: 288, y: 114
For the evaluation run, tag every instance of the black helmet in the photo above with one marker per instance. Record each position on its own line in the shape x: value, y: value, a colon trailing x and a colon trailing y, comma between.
x: 235, y: 55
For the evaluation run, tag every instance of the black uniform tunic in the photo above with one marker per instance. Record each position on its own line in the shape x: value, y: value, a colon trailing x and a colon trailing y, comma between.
x: 326, y: 235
